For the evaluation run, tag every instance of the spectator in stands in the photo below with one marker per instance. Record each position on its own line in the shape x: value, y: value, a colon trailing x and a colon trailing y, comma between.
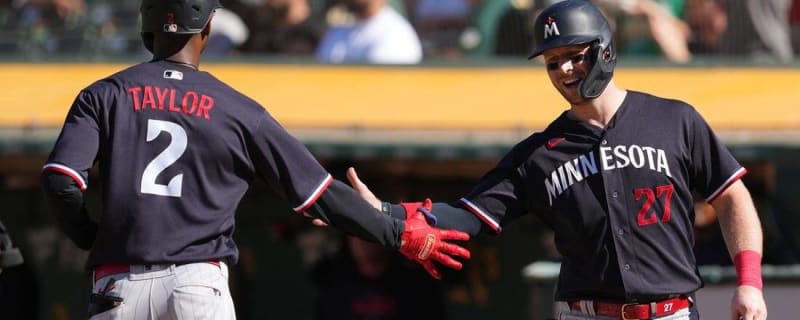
x: 228, y: 31
x: 45, y: 26
x: 378, y: 35
x: 707, y: 21
x: 794, y: 24
x: 652, y: 27
x: 440, y: 24
x: 280, y: 27
x: 515, y: 28
x: 515, y: 32
x: 62, y: 8
x: 760, y: 31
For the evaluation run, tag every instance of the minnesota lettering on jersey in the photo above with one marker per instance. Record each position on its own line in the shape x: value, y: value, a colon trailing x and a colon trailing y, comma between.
x: 171, y: 100
x: 611, y: 158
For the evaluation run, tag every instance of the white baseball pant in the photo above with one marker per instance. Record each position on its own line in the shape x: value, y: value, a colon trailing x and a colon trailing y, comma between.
x: 168, y: 292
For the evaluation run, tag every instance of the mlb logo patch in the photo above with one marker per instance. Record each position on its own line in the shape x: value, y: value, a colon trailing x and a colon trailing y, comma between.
x: 173, y: 74
x: 170, y: 27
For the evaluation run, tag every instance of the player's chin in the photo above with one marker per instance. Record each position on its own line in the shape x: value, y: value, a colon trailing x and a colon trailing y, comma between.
x: 572, y: 95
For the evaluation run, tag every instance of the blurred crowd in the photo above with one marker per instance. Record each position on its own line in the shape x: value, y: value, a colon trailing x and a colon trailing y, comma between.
x: 408, y: 31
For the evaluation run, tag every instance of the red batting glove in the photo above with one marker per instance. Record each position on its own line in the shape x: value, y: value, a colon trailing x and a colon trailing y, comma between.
x: 422, y: 243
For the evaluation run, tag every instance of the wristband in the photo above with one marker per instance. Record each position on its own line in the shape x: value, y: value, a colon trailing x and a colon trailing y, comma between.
x: 748, y: 268
x: 386, y: 208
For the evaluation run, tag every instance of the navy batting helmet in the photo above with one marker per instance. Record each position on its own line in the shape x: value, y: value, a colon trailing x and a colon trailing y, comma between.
x: 177, y: 16
x: 573, y: 22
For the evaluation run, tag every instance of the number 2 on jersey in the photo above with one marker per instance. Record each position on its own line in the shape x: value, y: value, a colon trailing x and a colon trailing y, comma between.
x: 646, y: 216
x: 166, y: 158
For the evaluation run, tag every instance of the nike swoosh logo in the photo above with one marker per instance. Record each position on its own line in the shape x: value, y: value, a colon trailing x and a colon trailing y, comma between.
x: 552, y: 143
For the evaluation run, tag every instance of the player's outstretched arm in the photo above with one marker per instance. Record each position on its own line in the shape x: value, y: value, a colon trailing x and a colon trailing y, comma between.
x: 341, y: 207
x: 741, y: 229
x: 446, y: 217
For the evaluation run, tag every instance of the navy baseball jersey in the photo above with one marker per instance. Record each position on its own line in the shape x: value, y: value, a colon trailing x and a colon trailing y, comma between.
x: 619, y: 199
x: 176, y: 150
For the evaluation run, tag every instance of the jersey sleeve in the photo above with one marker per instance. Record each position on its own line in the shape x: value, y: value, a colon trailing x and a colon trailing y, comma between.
x: 286, y: 165
x: 77, y: 145
x: 499, y: 195
x: 713, y: 167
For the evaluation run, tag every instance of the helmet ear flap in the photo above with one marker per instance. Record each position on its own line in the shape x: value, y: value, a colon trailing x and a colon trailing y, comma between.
x: 602, y: 61
x: 147, y: 40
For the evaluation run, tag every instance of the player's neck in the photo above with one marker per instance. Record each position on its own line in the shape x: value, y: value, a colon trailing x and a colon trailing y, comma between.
x: 182, y: 58
x: 599, y: 111
x: 178, y: 62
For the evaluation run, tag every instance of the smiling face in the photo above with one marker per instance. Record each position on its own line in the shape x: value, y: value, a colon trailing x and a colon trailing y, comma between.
x: 567, y: 67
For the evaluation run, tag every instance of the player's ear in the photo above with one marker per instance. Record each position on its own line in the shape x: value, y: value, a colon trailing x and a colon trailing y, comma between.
x: 207, y: 29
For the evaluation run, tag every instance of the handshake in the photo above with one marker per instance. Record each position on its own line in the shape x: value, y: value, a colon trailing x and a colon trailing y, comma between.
x: 425, y: 244
x: 419, y: 241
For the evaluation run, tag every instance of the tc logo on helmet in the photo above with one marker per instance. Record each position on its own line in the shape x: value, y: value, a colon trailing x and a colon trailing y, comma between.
x: 170, y: 26
x: 550, y: 28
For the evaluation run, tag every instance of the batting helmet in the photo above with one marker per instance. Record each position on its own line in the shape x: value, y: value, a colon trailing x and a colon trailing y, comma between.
x: 573, y: 22
x: 177, y: 16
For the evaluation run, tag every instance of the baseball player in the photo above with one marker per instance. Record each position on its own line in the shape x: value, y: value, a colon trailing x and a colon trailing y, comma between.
x: 613, y: 177
x: 176, y: 150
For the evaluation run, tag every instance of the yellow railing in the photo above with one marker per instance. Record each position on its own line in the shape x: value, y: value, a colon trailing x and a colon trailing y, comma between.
x: 408, y: 98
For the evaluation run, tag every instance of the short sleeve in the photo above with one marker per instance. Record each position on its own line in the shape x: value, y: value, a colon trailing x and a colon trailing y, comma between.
x: 77, y: 145
x: 287, y: 165
x: 713, y: 167
x: 499, y: 194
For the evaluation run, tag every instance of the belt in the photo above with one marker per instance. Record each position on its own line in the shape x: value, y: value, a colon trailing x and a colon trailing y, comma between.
x: 636, y: 310
x: 112, y: 268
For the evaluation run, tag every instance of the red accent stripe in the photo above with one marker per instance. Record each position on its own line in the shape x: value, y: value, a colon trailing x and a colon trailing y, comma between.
x: 721, y: 189
x: 482, y: 216
x: 310, y: 202
x: 58, y: 168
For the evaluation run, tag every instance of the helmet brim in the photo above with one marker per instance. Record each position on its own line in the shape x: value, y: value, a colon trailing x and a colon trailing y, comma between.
x: 562, y: 41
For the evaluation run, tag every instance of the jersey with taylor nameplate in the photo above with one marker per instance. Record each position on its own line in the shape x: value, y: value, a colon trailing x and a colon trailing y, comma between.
x: 619, y: 199
x: 177, y: 149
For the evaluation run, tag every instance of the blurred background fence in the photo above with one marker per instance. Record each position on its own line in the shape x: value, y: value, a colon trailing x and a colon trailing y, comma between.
x: 428, y: 128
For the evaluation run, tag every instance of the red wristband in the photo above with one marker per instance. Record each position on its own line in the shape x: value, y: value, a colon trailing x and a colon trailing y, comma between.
x: 748, y: 268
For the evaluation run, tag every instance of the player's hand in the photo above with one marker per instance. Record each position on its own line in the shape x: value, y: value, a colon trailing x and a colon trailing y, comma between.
x: 425, y: 244
x: 362, y: 188
x: 748, y: 304
x: 315, y: 221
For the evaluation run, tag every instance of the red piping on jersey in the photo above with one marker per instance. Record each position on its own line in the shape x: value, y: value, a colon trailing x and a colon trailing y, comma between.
x: 67, y: 171
x: 315, y: 195
x: 481, y: 215
x: 736, y: 176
